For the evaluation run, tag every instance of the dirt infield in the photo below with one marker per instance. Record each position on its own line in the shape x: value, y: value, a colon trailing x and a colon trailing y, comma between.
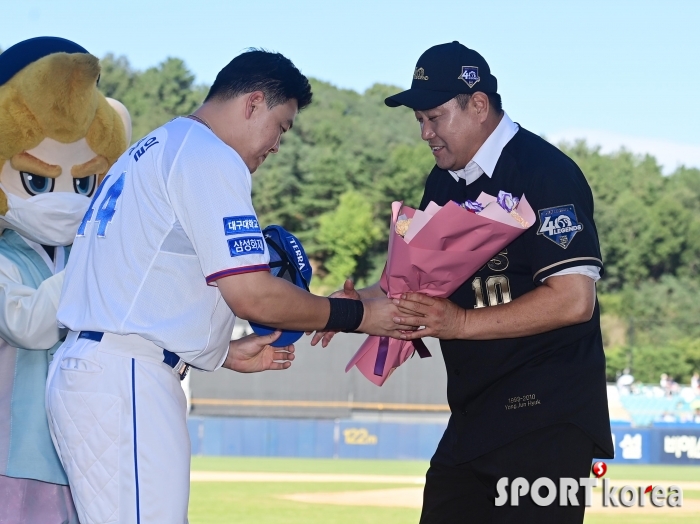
x: 395, y: 498
x: 244, y: 476
x: 234, y: 476
x: 413, y: 498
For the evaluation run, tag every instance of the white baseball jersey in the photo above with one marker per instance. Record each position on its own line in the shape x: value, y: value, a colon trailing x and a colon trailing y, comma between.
x: 173, y: 215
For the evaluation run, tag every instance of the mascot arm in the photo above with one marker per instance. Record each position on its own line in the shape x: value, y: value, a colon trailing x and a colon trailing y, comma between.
x: 28, y: 315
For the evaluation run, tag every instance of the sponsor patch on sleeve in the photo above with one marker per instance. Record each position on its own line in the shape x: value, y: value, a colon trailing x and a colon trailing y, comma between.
x: 246, y: 246
x: 241, y: 225
x: 559, y: 224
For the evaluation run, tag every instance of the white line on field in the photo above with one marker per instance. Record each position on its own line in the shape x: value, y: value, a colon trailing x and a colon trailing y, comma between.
x: 235, y: 476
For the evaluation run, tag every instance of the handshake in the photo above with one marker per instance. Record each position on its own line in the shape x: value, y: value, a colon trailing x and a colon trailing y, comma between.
x: 382, y: 317
x: 431, y: 253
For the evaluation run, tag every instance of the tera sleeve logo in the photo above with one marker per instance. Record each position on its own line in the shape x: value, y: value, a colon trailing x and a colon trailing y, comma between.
x: 566, y: 493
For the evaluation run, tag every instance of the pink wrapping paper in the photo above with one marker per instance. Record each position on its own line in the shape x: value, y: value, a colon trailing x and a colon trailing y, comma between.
x: 447, y: 250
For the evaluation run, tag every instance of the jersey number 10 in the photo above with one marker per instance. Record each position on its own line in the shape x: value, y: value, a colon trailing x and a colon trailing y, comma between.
x: 106, y: 208
x: 497, y: 289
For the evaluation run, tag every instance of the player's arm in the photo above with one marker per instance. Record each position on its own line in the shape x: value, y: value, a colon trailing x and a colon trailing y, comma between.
x: 560, y: 301
x: 348, y: 291
x: 274, y: 302
x: 217, y: 215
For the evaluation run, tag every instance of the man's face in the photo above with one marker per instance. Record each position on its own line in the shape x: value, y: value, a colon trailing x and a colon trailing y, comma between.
x: 453, y: 133
x: 265, y: 131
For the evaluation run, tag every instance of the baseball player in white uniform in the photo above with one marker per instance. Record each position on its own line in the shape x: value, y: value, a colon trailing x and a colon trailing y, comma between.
x: 169, y: 248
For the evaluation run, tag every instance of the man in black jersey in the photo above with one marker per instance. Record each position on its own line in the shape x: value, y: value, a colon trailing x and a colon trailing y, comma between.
x: 521, y: 338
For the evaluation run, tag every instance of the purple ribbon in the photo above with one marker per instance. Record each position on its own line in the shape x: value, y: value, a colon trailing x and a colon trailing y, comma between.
x: 418, y: 346
x: 381, y: 356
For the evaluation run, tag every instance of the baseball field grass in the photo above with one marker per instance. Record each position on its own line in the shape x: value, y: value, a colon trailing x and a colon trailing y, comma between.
x: 294, y: 491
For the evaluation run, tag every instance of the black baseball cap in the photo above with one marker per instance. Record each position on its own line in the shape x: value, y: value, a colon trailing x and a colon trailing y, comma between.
x: 443, y: 72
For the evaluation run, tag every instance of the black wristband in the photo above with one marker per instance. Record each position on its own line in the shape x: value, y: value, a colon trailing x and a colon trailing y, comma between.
x: 346, y: 314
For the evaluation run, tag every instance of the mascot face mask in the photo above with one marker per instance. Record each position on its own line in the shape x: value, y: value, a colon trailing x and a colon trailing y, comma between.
x: 58, y: 138
x: 51, y: 219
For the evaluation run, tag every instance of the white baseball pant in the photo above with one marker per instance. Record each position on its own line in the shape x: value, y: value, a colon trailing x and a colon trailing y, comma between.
x: 117, y: 416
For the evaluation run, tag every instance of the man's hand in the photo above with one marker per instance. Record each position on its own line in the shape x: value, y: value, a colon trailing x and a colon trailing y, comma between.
x: 381, y: 319
x: 348, y: 291
x: 560, y: 301
x: 442, y: 319
x: 253, y: 353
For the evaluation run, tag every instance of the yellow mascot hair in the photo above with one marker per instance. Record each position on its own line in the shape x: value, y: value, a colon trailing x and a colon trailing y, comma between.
x: 56, y: 97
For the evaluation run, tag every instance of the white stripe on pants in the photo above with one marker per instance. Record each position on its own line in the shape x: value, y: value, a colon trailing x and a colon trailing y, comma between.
x: 119, y: 426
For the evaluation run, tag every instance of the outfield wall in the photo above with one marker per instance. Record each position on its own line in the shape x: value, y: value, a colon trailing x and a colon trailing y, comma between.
x: 348, y: 438
x: 313, y: 438
x: 661, y: 444
x: 316, y: 386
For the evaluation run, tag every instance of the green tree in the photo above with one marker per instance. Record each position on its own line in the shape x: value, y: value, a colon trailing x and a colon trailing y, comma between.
x: 663, y: 334
x: 649, y: 362
x: 345, y: 234
x: 408, y: 166
x: 153, y: 96
x: 648, y: 224
x: 662, y: 311
x: 117, y: 78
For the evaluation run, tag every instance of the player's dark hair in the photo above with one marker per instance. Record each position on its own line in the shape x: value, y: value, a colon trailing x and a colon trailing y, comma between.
x: 494, y: 101
x: 259, y: 70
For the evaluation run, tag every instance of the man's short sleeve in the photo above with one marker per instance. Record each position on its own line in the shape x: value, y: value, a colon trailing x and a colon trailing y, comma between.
x: 209, y: 188
x: 564, y: 233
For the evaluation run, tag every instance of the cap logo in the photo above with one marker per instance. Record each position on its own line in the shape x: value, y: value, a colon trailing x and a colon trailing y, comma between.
x: 470, y: 75
x: 419, y: 74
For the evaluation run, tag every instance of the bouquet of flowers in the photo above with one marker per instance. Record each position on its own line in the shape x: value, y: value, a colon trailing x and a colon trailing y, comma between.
x: 434, y: 252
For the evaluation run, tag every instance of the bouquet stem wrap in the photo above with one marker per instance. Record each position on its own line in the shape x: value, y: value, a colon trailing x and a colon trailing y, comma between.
x: 451, y: 245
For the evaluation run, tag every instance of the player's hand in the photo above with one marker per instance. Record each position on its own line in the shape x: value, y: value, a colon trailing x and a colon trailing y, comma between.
x: 348, y: 291
x: 442, y: 318
x: 253, y: 353
x: 380, y: 318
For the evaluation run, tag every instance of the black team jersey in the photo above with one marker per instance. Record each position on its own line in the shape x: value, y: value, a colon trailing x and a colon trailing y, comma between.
x: 499, y: 390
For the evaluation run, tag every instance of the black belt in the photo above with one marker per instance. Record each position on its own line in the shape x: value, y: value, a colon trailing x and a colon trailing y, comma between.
x: 170, y: 358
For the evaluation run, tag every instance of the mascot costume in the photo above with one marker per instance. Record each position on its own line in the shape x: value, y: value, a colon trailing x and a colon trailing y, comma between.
x: 58, y: 137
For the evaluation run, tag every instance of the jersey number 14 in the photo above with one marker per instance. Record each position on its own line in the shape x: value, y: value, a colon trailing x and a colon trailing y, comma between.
x: 106, y: 208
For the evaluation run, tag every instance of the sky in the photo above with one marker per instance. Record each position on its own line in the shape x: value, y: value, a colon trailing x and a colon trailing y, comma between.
x: 618, y: 73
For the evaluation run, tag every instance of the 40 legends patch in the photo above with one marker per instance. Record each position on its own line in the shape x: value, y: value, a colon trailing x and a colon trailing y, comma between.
x: 559, y: 224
